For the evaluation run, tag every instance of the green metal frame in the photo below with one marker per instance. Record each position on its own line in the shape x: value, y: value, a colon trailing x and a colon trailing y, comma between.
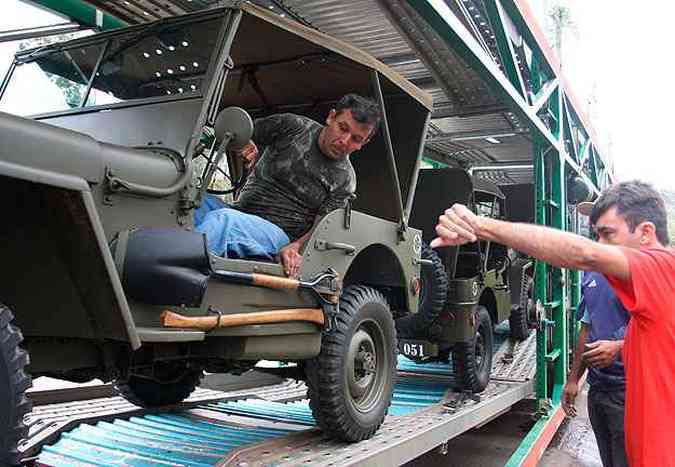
x: 82, y: 13
x: 562, y: 146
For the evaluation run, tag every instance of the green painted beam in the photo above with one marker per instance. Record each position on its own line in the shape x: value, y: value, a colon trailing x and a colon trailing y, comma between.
x: 542, y: 97
x: 81, y: 12
x: 440, y: 18
x: 507, y: 54
x: 585, y: 152
x: 524, y: 30
x: 567, y: 127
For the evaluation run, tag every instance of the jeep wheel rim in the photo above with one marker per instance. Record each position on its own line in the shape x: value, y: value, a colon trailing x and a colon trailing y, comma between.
x: 365, y: 375
x: 480, y: 350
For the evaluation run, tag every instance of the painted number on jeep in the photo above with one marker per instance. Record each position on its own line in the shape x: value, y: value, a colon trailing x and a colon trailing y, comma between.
x: 413, y: 350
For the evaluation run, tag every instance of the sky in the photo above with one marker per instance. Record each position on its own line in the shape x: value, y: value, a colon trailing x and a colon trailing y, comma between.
x: 616, y: 50
x: 623, y: 49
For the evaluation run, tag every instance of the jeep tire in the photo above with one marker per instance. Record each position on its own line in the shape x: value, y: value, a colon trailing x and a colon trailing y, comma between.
x: 433, y: 296
x: 473, y: 360
x: 146, y: 392
x: 351, y: 382
x: 13, y: 385
x: 521, y: 320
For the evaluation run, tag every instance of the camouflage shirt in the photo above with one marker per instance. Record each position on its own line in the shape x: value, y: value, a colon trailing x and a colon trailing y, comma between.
x: 293, y: 181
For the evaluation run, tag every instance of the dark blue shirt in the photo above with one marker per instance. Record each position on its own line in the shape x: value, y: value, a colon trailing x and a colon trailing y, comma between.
x: 603, y: 312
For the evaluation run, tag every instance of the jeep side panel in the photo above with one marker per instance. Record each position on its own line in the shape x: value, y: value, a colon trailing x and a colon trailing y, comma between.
x: 500, y: 308
x: 367, y: 252
x: 59, y: 276
x: 463, y: 296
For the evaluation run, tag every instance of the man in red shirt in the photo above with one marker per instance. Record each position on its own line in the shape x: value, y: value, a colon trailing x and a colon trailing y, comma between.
x: 630, y: 221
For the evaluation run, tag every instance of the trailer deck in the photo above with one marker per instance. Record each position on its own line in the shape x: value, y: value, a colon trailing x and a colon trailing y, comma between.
x: 273, y: 425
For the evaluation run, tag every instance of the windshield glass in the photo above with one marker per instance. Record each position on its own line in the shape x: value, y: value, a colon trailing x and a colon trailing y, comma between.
x: 55, y: 82
x: 159, y: 60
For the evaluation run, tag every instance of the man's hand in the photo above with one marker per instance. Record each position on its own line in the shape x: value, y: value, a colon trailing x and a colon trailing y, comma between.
x: 569, y: 396
x: 291, y: 259
x: 457, y: 226
x: 602, y: 353
x: 249, y: 154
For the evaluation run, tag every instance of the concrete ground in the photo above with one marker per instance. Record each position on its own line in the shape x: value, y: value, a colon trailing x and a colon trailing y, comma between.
x: 493, y: 444
x: 574, y: 444
x: 488, y: 446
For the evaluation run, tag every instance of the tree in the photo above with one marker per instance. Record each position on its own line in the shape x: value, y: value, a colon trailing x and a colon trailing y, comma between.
x: 71, y: 90
x: 560, y: 18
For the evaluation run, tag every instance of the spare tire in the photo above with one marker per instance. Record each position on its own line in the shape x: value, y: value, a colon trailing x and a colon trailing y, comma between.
x: 473, y: 359
x: 433, y: 295
x: 14, y: 381
x: 145, y: 392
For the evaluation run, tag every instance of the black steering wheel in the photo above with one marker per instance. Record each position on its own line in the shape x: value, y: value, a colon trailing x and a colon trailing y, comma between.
x: 236, y: 184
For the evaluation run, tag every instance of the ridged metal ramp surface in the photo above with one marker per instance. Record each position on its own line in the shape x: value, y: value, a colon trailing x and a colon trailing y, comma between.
x: 246, y: 431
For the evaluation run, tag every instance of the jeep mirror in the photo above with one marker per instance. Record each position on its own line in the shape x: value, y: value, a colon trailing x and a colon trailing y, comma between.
x: 578, y: 191
x: 233, y: 127
x: 233, y: 130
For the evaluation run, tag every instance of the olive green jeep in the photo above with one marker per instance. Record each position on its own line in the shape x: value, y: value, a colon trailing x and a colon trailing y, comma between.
x: 464, y: 291
x: 101, y: 171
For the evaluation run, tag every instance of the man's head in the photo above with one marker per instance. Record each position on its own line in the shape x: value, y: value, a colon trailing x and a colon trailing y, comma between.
x: 349, y: 126
x: 630, y: 214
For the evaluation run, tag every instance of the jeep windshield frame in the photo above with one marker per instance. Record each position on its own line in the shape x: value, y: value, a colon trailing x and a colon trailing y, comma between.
x: 117, y: 46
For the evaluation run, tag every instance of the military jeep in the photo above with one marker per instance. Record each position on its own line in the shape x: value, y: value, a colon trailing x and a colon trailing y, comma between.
x: 104, y: 275
x: 465, y: 291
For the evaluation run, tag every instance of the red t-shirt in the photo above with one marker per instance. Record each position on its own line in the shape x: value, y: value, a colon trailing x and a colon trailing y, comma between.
x: 649, y: 357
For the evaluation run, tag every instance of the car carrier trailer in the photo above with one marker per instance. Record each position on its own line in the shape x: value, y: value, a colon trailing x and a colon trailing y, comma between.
x: 493, y: 78
x: 272, y: 424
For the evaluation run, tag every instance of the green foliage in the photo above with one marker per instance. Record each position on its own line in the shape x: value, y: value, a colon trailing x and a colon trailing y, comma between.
x: 559, y: 22
x: 71, y: 91
x: 669, y: 198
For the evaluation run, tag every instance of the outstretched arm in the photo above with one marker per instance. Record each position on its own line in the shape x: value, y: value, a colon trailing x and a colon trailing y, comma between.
x: 458, y: 225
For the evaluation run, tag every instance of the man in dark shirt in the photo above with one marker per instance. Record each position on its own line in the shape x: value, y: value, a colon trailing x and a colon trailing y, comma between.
x: 604, y: 320
x: 302, y: 173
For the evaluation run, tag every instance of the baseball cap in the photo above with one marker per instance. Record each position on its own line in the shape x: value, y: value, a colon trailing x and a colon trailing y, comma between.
x: 585, y: 207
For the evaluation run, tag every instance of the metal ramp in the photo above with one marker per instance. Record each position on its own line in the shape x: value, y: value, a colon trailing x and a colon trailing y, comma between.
x: 47, y: 422
x: 274, y: 426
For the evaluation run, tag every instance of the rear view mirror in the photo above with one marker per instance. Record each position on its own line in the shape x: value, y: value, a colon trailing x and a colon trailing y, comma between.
x: 578, y: 191
x: 233, y: 127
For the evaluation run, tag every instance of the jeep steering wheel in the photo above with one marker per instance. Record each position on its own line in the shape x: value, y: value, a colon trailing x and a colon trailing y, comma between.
x: 236, y: 184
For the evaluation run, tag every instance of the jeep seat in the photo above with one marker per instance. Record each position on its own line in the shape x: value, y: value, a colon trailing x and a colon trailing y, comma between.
x: 163, y: 266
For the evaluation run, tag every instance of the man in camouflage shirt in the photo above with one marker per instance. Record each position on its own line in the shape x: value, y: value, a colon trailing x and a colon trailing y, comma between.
x: 303, y: 173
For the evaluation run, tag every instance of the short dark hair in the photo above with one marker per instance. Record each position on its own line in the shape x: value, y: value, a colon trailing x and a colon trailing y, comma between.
x: 636, y: 202
x: 364, y: 110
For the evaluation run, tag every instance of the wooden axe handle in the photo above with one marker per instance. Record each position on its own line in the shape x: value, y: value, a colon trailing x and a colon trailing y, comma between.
x: 274, y: 282
x: 260, y: 280
x: 175, y: 320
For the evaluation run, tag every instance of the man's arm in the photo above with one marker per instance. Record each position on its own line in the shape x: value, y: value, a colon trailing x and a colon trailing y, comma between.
x: 602, y: 353
x: 578, y: 368
x: 291, y: 256
x: 458, y: 225
x: 268, y: 131
x: 579, y: 365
